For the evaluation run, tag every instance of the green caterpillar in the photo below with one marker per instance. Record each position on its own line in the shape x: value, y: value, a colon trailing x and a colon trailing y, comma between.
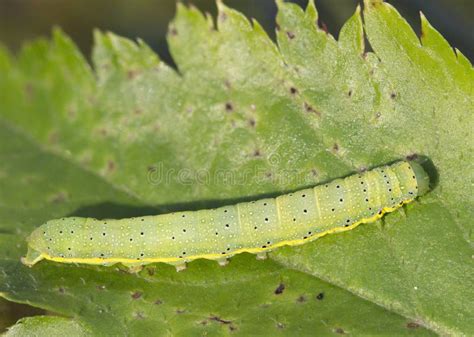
x: 217, y: 234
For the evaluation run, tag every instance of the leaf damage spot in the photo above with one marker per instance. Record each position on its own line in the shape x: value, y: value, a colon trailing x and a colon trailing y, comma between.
x: 252, y: 122
x: 323, y: 26
x: 412, y: 156
x: 290, y: 35
x: 111, y: 166
x: 132, y: 74
x: 136, y: 295
x: 339, y: 331
x: 301, y: 299
x: 320, y: 296
x: 279, y: 290
x: 158, y: 302
x: 229, y: 107
x: 293, y: 90
x: 310, y: 109
x: 220, y: 320
x: 173, y: 31
x: 413, y: 325
x: 59, y: 198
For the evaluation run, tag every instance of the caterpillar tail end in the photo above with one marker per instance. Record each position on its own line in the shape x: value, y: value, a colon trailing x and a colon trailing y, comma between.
x: 422, y: 178
x: 32, y: 257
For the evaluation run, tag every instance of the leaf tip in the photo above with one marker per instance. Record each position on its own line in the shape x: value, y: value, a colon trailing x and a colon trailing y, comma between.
x: 311, y: 10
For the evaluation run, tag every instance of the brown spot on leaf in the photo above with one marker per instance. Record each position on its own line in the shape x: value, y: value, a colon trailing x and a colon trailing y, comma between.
x: 279, y: 290
x: 393, y: 95
x: 137, y: 111
x: 180, y: 311
x: 290, y: 35
x: 131, y: 74
x: 310, y: 109
x: 252, y: 122
x: 229, y: 107
x: 293, y: 90
x: 301, y: 299
x: 136, y: 295
x: 111, y: 166
x: 339, y: 331
x: 323, y: 26
x: 257, y: 153
x: 412, y: 325
x: 320, y: 296
x: 59, y: 198
x: 335, y: 147
x: 280, y: 325
x: 349, y: 93
x: 173, y: 31
x: 158, y: 302
x: 220, y: 320
x: 412, y: 156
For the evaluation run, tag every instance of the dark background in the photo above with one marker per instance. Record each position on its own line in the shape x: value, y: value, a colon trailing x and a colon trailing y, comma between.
x: 22, y: 20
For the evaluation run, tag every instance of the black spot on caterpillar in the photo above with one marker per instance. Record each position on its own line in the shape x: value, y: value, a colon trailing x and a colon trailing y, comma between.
x: 217, y: 234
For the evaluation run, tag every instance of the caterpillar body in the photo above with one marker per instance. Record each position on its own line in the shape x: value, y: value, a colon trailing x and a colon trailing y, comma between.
x: 217, y: 234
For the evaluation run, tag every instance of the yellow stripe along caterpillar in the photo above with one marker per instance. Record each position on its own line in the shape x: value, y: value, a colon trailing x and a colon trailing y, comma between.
x: 217, y: 234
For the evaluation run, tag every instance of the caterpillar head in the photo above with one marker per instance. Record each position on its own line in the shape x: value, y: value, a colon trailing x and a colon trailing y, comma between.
x: 48, y: 238
x: 422, y: 178
x: 36, y: 245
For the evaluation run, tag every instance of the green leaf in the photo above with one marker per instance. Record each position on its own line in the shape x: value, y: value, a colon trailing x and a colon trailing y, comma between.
x: 47, y: 326
x: 240, y: 119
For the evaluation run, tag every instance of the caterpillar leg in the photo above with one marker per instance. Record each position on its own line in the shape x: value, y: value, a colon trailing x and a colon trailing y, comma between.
x: 133, y: 268
x: 223, y: 262
x: 262, y: 256
x: 180, y: 267
x: 32, y: 257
